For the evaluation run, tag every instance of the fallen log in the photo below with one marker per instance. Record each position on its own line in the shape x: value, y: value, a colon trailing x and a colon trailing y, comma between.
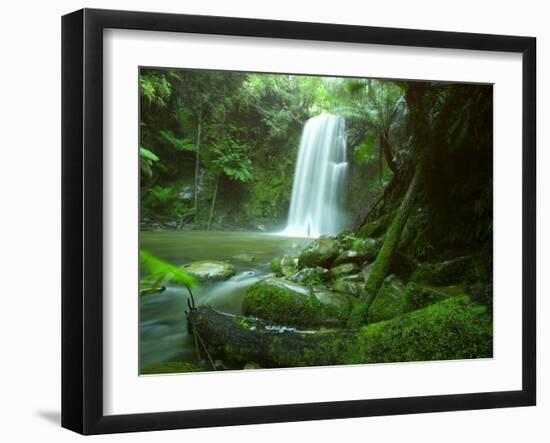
x: 451, y: 329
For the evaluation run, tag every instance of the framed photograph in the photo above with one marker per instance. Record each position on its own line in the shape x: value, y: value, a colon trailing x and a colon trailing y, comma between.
x: 269, y: 221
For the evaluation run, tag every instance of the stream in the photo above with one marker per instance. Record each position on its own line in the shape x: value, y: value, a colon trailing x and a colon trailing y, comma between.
x: 163, y: 329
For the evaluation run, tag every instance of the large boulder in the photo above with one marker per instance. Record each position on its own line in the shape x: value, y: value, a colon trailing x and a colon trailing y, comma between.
x: 210, y: 270
x: 321, y: 252
x: 287, y: 303
x: 389, y: 301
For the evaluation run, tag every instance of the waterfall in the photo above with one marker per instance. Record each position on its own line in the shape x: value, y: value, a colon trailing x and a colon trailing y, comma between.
x: 319, y: 179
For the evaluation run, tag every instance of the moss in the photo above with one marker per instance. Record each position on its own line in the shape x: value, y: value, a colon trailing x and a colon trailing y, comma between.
x: 170, y: 367
x: 358, y: 315
x: 419, y: 296
x: 344, y: 269
x: 389, y: 301
x: 452, y: 329
x: 377, y: 227
x: 320, y: 252
x: 275, y: 265
x: 243, y: 322
x: 312, y: 277
x: 443, y: 273
x: 286, y: 303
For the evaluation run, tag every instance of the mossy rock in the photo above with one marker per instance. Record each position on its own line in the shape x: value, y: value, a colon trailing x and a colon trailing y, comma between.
x: 210, y: 270
x: 443, y: 273
x: 320, y: 252
x: 451, y: 329
x: 348, y: 285
x: 289, y: 265
x: 359, y: 251
x: 389, y: 302
x: 344, y: 269
x: 310, y: 276
x: 171, y: 367
x: 275, y: 265
x: 283, y: 302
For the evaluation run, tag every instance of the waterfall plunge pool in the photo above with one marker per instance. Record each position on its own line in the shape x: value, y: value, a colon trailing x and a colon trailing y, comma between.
x: 163, y: 328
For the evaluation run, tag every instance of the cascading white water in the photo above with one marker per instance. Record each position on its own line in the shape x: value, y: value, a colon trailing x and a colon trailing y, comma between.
x: 319, y: 179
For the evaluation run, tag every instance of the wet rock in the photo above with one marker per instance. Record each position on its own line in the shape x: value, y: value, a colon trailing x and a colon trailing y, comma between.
x: 347, y: 286
x: 330, y: 298
x: 361, y: 250
x: 321, y: 252
x: 210, y: 270
x: 289, y: 265
x: 309, y: 276
x: 344, y: 269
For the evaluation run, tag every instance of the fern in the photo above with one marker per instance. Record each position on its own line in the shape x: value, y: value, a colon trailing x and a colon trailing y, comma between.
x: 159, y: 271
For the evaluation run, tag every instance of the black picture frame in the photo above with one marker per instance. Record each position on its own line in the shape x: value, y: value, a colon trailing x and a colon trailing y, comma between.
x: 82, y: 220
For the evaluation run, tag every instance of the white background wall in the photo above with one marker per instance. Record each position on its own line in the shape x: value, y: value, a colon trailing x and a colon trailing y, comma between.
x: 30, y: 219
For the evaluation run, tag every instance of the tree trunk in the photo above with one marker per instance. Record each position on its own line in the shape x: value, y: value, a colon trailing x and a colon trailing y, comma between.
x: 388, y: 152
x: 383, y: 260
x: 197, y: 160
x: 213, y: 203
x: 431, y: 330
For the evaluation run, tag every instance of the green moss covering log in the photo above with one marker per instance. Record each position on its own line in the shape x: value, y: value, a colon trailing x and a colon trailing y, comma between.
x: 452, y: 329
x: 281, y: 301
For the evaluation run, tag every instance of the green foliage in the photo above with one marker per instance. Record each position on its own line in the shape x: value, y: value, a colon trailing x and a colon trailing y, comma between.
x: 181, y: 144
x: 155, y: 88
x: 365, y: 152
x: 146, y: 160
x: 147, y: 154
x: 157, y: 271
x: 231, y: 159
